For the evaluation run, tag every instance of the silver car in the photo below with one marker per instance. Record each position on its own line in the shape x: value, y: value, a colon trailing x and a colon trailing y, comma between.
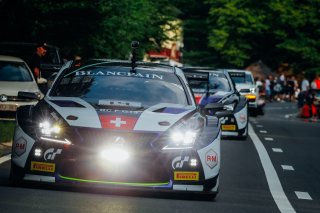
x: 245, y: 84
x: 15, y: 77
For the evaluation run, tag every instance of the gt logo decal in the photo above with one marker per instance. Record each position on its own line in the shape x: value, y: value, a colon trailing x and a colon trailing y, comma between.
x: 177, y: 163
x: 50, y: 154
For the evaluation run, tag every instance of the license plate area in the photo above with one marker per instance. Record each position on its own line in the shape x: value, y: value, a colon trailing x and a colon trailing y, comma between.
x: 228, y: 127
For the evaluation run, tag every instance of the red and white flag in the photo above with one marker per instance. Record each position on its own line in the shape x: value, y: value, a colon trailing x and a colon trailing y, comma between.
x: 118, y: 122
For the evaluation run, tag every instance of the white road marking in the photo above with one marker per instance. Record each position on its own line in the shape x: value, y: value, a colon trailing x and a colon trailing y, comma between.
x: 259, y: 126
x: 277, y: 150
x: 5, y: 158
x: 274, y: 184
x: 268, y: 139
x: 303, y: 195
x: 287, y: 167
x: 263, y: 131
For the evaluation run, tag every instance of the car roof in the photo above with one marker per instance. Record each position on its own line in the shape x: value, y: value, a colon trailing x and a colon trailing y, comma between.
x: 125, y: 63
x: 10, y: 58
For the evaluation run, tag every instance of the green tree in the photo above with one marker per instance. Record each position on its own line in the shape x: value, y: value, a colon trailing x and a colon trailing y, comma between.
x: 103, y: 28
x: 244, y: 31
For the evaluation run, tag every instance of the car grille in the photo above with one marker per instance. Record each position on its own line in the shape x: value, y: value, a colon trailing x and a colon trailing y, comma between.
x: 16, y: 98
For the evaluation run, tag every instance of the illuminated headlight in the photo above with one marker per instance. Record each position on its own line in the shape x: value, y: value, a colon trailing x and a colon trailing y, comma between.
x: 181, y: 140
x: 187, y: 138
x: 47, y: 129
x: 116, y: 155
x: 253, y: 90
x: 184, y: 134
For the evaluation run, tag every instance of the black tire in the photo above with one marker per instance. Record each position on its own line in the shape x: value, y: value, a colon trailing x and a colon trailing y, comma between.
x: 244, y: 136
x: 16, y: 175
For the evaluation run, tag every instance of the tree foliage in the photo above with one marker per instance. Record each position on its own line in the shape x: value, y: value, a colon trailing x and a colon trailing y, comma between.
x: 103, y: 28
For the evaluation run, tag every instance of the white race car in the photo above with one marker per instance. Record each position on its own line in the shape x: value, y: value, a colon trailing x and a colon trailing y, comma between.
x: 120, y: 124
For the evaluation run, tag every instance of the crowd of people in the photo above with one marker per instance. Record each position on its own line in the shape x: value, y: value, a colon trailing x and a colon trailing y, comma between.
x: 284, y: 88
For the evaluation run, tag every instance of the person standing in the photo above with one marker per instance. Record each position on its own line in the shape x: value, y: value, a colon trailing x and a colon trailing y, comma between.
x: 316, y: 82
x: 41, y: 50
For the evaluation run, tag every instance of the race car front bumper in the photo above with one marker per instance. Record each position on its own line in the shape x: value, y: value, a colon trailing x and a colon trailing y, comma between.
x: 185, y: 170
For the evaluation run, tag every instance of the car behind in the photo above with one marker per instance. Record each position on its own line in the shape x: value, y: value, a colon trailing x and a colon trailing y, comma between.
x: 15, y: 77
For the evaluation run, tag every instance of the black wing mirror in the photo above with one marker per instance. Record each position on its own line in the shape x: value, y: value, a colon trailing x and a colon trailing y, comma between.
x: 217, y: 109
x: 29, y: 95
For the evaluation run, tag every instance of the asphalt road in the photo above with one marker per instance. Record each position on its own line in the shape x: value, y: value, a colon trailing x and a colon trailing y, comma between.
x: 247, y: 184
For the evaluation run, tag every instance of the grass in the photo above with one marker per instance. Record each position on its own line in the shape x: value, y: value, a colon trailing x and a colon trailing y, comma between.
x: 6, y: 130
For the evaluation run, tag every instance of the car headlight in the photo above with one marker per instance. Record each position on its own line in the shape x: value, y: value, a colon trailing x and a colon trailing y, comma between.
x: 48, y: 129
x: 229, y: 107
x: 114, y: 154
x: 51, y: 133
x: 184, y: 135
x: 253, y: 90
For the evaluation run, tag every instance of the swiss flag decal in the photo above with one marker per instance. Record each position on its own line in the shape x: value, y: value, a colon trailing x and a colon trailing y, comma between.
x: 117, y: 122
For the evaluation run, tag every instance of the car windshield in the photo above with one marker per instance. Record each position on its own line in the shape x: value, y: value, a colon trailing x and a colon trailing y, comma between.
x: 218, y: 82
x: 241, y: 78
x: 14, y: 71
x: 143, y: 88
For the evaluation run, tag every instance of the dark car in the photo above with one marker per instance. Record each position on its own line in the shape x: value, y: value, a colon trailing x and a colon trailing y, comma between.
x: 50, y: 64
x: 111, y: 123
x: 215, y: 86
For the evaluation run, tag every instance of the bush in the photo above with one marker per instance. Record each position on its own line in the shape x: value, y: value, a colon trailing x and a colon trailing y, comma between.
x: 6, y: 130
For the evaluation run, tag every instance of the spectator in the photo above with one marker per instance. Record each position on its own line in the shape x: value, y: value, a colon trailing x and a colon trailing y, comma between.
x: 41, y: 51
x: 305, y: 84
x: 316, y: 82
x: 302, y: 95
x: 267, y: 88
x: 308, y: 110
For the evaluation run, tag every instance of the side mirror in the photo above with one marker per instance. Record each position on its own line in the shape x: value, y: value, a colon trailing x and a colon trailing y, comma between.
x: 29, y: 95
x: 212, y: 108
x: 221, y: 114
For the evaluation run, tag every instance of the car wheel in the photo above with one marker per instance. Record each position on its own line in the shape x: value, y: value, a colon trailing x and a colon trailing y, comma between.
x: 16, y: 174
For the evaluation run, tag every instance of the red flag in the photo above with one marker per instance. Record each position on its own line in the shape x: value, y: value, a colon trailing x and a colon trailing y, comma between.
x: 118, y: 122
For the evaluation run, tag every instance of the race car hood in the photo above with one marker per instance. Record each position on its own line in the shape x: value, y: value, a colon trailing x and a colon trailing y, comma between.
x: 12, y: 88
x: 158, y: 118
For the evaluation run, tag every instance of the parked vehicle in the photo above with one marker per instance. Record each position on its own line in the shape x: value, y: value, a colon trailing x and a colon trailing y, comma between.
x: 50, y: 64
x: 15, y: 77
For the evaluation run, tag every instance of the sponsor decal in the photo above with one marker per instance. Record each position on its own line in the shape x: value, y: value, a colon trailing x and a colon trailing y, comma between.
x: 228, y: 127
x: 211, y: 158
x: 42, y: 167
x: 178, y: 162
x: 20, y: 146
x: 112, y: 73
x: 50, y: 154
x: 186, y: 175
x: 121, y: 111
x: 118, y: 122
